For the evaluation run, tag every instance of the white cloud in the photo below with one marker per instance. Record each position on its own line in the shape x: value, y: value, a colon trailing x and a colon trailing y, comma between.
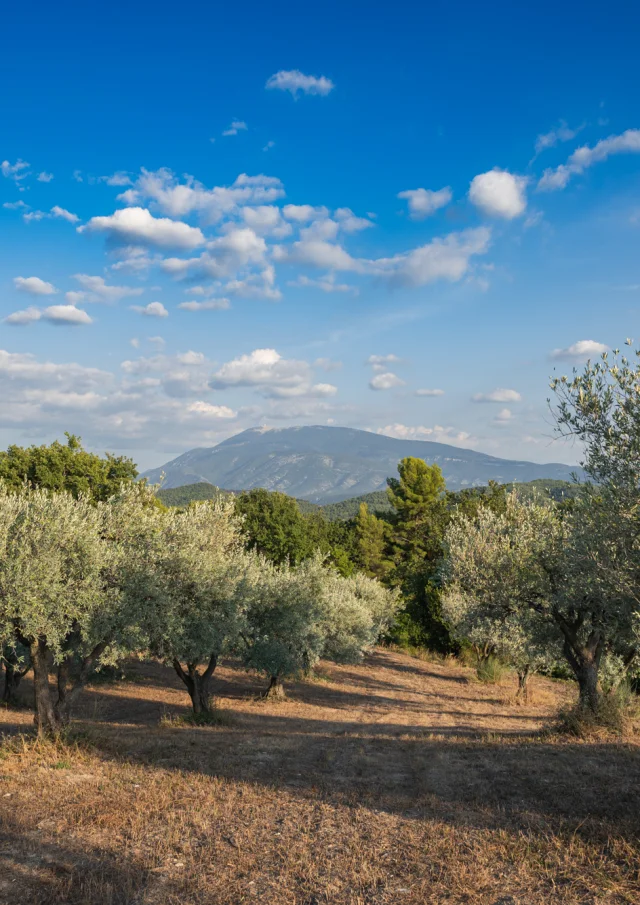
x: 120, y: 178
x: 16, y: 171
x: 95, y: 289
x: 179, y: 199
x: 153, y: 309
x: 583, y: 158
x: 45, y: 177
x: 381, y: 362
x: 269, y: 145
x: 27, y: 316
x: 266, y: 220
x: 235, y: 127
x: 15, y: 206
x: 295, y: 82
x: 137, y: 226
x: 318, y: 253
x: 135, y: 342
x: 56, y: 314
x: 499, y: 193
x: 207, y: 410
x: 34, y: 286
x: 580, y: 351
x: 498, y: 395
x: 326, y: 284
x: 424, y: 202
x: 504, y: 417
x: 206, y: 305
x: 436, y: 434
x: 302, y: 213
x: 560, y: 134
x: 385, y: 381
x: 348, y: 221
x: 63, y: 214
x: 66, y: 314
x: 440, y: 259
x: 271, y: 375
x: 427, y: 392
x: 191, y: 358
x: 225, y: 255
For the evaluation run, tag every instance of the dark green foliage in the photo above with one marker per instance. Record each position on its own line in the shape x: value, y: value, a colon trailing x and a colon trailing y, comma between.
x: 274, y: 526
x: 371, y: 543
x: 66, y: 467
x: 377, y: 502
x: 189, y: 493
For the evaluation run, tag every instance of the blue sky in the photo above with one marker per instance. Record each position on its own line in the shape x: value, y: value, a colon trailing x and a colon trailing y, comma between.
x: 415, y: 216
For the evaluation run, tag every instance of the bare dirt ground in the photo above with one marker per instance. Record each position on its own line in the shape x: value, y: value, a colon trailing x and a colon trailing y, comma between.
x: 398, y: 781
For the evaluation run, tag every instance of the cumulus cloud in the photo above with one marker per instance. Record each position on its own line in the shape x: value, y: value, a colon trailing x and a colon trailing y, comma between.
x: 381, y: 362
x: 271, y: 375
x: 327, y: 364
x: 427, y: 392
x: 206, y: 305
x: 34, y: 286
x: 96, y: 289
x: 499, y: 193
x: 580, y: 351
x: 303, y: 213
x: 16, y: 171
x: 238, y: 250
x: 504, y: 417
x: 437, y: 434
x: 45, y: 177
x: 318, y: 253
x: 560, y: 134
x: 266, y: 220
x: 583, y: 158
x: 327, y: 283
x: 296, y: 83
x: 348, y: 222
x: 440, y: 259
x: 500, y: 394
x: 207, y: 410
x: 424, y: 202
x: 137, y: 226
x: 56, y: 314
x: 180, y: 199
x: 153, y: 309
x: 385, y: 381
x: 236, y: 126
x: 62, y: 214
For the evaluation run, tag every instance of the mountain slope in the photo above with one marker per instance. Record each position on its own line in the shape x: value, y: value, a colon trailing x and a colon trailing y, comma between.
x: 327, y: 464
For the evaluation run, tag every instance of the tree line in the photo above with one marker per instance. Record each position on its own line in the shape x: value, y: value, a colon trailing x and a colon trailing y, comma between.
x: 93, y: 566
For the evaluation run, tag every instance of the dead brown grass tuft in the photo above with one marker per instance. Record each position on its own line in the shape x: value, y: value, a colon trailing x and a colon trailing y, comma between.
x: 398, y: 781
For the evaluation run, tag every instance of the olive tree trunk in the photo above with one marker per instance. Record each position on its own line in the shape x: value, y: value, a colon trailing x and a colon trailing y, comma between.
x: 197, y: 683
x: 584, y: 660
x: 275, y: 691
x: 13, y: 674
x: 523, y: 683
x: 53, y: 711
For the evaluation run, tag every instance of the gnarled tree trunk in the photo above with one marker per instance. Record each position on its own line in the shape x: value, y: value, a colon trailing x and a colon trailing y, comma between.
x: 523, y: 683
x: 47, y: 719
x: 14, y: 672
x: 198, y: 684
x: 584, y: 659
x: 275, y: 691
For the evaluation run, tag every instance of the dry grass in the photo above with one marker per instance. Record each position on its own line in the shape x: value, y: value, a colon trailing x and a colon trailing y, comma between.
x: 400, y: 781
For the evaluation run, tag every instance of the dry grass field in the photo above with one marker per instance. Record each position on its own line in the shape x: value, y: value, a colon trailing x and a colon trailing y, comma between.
x: 398, y: 781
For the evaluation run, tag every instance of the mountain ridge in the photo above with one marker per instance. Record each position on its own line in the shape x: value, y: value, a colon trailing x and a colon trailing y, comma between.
x: 325, y: 464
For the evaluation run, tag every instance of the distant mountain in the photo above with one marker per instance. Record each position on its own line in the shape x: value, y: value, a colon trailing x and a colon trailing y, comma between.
x: 329, y: 464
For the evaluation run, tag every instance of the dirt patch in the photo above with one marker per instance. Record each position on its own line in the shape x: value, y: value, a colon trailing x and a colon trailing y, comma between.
x: 395, y: 781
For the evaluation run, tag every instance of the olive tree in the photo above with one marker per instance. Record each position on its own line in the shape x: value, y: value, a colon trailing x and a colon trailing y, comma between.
x: 520, y: 638
x: 71, y: 586
x: 600, y: 407
x: 198, y: 611
x: 297, y: 615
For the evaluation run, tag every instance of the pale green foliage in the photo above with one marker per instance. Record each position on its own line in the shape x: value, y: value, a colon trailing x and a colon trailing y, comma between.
x: 295, y: 616
x: 51, y: 568
x: 201, y: 564
x: 502, y: 571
